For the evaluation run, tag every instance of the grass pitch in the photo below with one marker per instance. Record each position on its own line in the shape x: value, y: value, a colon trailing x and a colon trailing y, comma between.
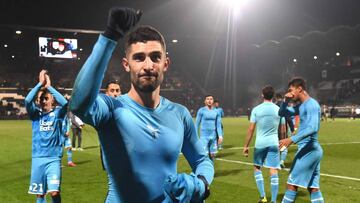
x: 234, y: 181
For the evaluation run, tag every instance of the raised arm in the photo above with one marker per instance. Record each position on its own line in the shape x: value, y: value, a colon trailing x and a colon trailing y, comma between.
x: 287, y: 111
x: 88, y: 82
x: 32, y: 96
x: 30, y: 100
x: 85, y: 102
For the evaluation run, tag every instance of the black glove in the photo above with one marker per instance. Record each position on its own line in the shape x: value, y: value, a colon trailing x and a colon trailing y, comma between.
x: 120, y: 20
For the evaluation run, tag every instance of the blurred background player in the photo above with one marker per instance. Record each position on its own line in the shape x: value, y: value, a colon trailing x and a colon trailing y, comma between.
x: 208, y: 122
x: 67, y: 142
x: 113, y: 89
x: 289, y: 129
x: 266, y: 120
x: 221, y: 112
x: 76, y: 126
x: 305, y: 171
x: 47, y: 138
x: 141, y: 133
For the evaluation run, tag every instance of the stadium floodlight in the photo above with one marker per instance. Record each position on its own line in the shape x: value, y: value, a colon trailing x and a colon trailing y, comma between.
x: 315, y: 57
x: 234, y: 5
x: 337, y: 53
x: 18, y: 32
x: 5, y: 45
x: 294, y: 60
x: 174, y: 41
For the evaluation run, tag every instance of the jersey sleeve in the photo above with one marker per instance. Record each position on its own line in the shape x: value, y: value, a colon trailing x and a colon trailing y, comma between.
x: 253, y: 116
x: 31, y: 108
x: 198, y: 120
x: 310, y: 125
x: 286, y: 111
x: 86, y: 102
x: 219, y: 129
x: 194, y: 151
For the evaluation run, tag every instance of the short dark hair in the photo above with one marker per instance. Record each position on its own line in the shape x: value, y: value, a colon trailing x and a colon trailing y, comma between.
x: 144, y: 34
x: 278, y: 96
x: 268, y: 92
x: 112, y: 82
x: 208, y: 95
x: 298, y: 82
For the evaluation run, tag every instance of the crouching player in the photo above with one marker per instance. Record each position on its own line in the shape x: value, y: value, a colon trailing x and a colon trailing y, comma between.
x: 47, y: 139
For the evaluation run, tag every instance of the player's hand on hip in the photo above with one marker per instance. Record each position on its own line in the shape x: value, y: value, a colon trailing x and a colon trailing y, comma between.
x: 121, y: 20
x: 183, y: 188
x: 246, y: 151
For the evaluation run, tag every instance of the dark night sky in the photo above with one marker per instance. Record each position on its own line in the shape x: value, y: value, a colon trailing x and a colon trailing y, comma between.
x: 199, y: 25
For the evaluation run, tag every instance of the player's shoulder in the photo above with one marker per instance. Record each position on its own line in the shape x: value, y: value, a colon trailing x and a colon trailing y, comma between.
x: 173, y: 106
x: 257, y: 107
x: 312, y: 102
x: 170, y: 104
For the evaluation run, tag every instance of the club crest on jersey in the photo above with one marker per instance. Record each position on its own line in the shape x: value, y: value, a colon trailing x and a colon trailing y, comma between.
x: 154, y: 132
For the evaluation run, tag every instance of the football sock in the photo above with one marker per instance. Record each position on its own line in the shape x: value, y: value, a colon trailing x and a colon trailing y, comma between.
x: 316, y: 197
x: 289, y: 196
x: 260, y: 182
x: 274, y: 180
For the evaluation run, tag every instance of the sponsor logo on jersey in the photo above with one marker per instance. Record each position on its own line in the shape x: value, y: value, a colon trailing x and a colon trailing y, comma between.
x: 46, y: 125
x: 154, y: 132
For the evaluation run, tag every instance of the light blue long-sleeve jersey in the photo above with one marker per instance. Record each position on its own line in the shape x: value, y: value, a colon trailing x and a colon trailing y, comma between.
x: 141, y: 146
x: 208, y: 120
x: 47, y: 129
x: 221, y: 111
x: 267, y: 120
x: 309, y: 126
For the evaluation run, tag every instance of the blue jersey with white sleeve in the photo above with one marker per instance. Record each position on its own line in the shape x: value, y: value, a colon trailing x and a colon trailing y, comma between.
x: 208, y: 120
x: 47, y: 128
x: 140, y: 145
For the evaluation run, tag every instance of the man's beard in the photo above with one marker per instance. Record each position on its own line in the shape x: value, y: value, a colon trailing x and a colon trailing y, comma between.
x: 148, y: 85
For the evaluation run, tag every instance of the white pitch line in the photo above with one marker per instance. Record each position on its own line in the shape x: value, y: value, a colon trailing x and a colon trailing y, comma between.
x: 322, y: 144
x: 287, y: 169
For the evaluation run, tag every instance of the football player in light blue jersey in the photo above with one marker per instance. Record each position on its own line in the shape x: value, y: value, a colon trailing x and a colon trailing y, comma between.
x: 266, y: 120
x: 67, y: 142
x: 141, y: 133
x: 47, y: 138
x: 221, y: 112
x: 208, y: 120
x: 305, y: 171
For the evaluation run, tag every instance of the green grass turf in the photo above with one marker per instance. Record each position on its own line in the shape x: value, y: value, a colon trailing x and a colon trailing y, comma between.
x: 233, y: 182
